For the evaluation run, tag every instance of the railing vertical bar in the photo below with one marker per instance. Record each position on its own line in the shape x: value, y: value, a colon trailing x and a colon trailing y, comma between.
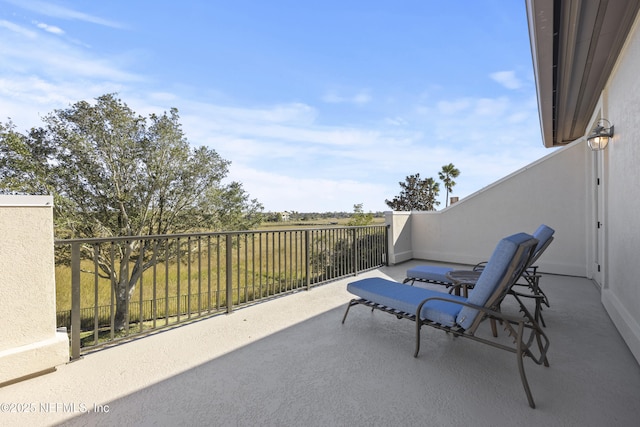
x: 284, y: 247
x: 269, y: 273
x: 245, y: 265
x: 127, y: 296
x: 289, y: 270
x: 112, y: 313
x: 178, y: 293
x: 280, y: 278
x: 307, y: 272
x: 166, y: 282
x: 229, y: 284
x: 337, y: 235
x: 247, y: 269
x: 189, y: 277
x: 355, y: 251
x: 291, y: 260
x: 96, y: 322
x: 208, y: 274
x: 273, y: 261
x: 323, y: 244
x: 299, y: 258
x: 199, y: 275
x: 139, y: 262
x: 260, y: 263
x: 315, y: 244
x: 278, y: 253
x: 75, y: 300
x: 218, y: 273
x: 376, y: 248
x: 275, y: 244
x: 253, y: 265
x: 238, y: 282
x: 295, y: 260
x: 154, y: 304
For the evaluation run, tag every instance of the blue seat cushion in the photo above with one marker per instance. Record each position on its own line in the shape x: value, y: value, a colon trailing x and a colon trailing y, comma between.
x: 407, y: 298
x: 429, y: 273
x: 491, y: 276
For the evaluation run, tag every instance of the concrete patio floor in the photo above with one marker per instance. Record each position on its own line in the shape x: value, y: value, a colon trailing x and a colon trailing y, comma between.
x: 290, y: 362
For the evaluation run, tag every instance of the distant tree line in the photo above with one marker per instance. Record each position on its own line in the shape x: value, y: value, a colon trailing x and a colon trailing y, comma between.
x: 311, y: 216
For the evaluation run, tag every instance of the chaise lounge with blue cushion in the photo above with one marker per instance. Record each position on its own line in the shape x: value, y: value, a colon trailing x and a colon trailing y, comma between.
x: 438, y: 275
x: 462, y: 315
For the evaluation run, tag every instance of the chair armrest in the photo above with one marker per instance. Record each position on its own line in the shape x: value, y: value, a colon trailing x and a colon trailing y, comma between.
x: 487, y: 311
x: 480, y: 266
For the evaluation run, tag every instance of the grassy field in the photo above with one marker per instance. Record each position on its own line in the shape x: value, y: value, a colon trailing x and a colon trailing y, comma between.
x: 254, y: 273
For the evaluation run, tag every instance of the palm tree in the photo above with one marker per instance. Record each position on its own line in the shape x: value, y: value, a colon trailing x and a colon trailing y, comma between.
x: 446, y: 175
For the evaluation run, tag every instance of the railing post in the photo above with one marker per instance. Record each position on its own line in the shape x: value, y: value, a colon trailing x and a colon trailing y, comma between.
x: 386, y: 244
x: 229, y: 285
x: 75, y: 300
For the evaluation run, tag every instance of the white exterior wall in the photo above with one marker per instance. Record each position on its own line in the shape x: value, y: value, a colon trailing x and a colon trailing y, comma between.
x: 399, y: 236
x: 29, y: 343
x: 551, y: 191
x: 621, y: 106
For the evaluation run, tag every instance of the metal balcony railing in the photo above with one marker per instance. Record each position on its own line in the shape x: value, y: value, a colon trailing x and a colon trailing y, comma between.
x: 126, y: 286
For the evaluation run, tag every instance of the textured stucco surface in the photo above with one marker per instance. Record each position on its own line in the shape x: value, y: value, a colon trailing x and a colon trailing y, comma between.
x: 621, y: 106
x: 28, y: 339
x: 552, y: 191
x: 28, y: 284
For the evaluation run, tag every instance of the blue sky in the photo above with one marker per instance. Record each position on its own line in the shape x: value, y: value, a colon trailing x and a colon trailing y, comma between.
x: 318, y: 104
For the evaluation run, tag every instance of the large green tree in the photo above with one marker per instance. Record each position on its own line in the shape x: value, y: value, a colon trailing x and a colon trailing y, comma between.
x: 115, y: 173
x: 446, y: 175
x: 24, y: 164
x: 417, y: 194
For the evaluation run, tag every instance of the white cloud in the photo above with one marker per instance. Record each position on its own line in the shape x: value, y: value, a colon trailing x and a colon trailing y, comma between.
x: 279, y: 192
x: 453, y: 107
x: 396, y: 121
x: 28, y: 53
x: 507, y: 79
x: 57, y: 11
x: 360, y: 98
x: 49, y: 28
x: 17, y: 29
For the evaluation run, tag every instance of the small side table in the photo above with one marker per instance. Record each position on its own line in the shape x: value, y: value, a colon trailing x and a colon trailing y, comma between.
x: 465, y: 279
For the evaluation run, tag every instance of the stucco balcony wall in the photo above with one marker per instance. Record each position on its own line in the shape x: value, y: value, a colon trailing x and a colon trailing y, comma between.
x: 29, y: 343
x: 551, y: 191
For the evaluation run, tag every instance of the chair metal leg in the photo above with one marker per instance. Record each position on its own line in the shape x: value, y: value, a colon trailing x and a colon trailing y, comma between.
x: 418, y: 326
x: 520, y: 357
x: 351, y: 303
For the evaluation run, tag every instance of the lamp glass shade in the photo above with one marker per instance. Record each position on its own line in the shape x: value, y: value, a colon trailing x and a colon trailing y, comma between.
x: 597, y: 142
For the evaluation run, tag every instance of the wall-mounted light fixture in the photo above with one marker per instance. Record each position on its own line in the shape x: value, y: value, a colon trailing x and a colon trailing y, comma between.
x: 600, y: 136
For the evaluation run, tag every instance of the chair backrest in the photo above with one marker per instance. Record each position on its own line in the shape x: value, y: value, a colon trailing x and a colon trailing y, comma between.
x: 509, y: 259
x: 544, y: 234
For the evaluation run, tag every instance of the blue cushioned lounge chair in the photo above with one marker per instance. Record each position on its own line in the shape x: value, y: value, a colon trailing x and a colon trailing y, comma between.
x: 438, y: 275
x: 462, y: 315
